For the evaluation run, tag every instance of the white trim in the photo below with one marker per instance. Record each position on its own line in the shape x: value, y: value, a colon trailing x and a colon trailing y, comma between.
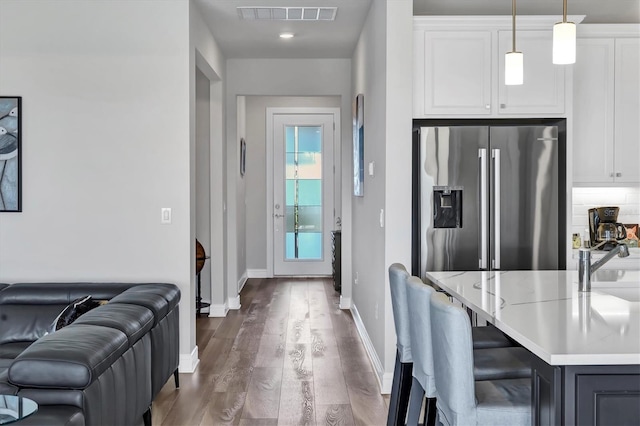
x: 189, y: 362
x: 218, y: 310
x: 271, y: 112
x: 384, y: 379
x: 242, y: 281
x: 257, y: 273
x: 607, y: 30
x: 490, y: 22
x: 234, y: 302
x: 345, y: 302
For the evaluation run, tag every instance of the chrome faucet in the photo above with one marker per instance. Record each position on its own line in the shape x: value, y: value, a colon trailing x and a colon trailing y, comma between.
x: 585, y: 268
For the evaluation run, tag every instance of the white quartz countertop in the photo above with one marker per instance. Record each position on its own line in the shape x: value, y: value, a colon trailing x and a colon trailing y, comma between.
x: 545, y: 313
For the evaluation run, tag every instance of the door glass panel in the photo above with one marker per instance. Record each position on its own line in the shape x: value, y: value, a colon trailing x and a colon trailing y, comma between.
x: 303, y: 192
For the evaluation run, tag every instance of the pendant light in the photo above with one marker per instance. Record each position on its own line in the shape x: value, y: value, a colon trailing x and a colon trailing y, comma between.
x: 564, y: 40
x: 514, y: 60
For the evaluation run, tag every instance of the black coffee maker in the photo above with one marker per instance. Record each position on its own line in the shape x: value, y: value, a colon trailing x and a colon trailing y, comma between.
x: 604, y: 230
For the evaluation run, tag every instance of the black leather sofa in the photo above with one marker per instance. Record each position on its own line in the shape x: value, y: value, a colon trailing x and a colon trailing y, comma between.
x: 106, y: 367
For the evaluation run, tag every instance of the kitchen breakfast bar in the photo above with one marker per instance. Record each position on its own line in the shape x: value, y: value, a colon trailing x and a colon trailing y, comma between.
x: 586, y: 346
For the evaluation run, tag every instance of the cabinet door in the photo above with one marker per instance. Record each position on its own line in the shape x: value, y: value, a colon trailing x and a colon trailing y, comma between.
x: 457, y: 72
x: 543, y: 88
x: 593, y: 96
x: 627, y: 110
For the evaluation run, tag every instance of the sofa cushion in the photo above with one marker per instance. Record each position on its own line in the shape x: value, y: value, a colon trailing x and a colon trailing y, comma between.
x: 134, y: 321
x: 13, y: 349
x: 71, y: 358
x: 58, y: 293
x: 55, y: 415
x: 155, y: 303
x: 26, y: 323
x: 170, y: 292
x: 5, y: 387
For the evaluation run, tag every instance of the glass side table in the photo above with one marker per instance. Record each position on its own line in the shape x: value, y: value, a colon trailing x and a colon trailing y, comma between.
x: 14, y: 408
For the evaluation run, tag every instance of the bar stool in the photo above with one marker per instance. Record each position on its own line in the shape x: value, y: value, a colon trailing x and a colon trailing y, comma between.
x: 487, y: 364
x: 402, y: 378
x: 462, y: 400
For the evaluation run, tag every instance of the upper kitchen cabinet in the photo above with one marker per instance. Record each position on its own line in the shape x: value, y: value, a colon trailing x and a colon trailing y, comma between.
x: 453, y: 72
x: 543, y: 88
x: 626, y: 151
x: 459, y: 68
x: 606, y: 107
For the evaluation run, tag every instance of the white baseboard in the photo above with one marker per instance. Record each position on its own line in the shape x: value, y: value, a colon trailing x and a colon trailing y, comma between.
x: 234, y: 302
x: 384, y: 379
x: 345, y: 302
x: 218, y: 310
x: 242, y: 281
x: 189, y: 362
x: 257, y: 273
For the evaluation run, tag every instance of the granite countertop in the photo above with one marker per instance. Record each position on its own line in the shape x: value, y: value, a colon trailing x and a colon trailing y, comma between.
x: 545, y: 313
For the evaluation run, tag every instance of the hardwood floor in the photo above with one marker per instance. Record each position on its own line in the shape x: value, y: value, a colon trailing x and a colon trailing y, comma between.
x: 289, y: 356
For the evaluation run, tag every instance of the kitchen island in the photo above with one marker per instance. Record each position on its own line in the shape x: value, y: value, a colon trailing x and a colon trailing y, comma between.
x: 586, y: 368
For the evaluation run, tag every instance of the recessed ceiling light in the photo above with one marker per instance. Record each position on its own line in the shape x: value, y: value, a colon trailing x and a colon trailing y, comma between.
x: 286, y: 35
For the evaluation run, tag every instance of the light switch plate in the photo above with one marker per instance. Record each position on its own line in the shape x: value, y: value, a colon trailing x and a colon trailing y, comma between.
x: 165, y: 215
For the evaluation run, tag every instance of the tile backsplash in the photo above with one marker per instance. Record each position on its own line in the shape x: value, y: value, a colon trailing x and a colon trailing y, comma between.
x: 628, y: 199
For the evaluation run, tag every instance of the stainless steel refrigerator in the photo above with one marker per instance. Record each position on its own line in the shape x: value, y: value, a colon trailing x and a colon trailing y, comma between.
x: 488, y: 195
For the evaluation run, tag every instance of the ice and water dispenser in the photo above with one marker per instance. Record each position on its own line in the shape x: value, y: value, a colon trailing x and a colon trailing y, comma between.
x: 447, y: 207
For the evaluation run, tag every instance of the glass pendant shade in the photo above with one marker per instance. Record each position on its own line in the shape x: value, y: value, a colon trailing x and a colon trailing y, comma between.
x: 564, y: 43
x: 513, y: 68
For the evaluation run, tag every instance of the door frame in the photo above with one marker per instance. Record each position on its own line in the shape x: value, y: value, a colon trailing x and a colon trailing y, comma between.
x: 337, y: 143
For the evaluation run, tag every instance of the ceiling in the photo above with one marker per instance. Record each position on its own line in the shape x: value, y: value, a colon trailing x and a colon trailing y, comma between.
x: 336, y: 39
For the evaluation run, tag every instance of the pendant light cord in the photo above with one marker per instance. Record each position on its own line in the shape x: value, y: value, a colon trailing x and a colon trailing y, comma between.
x: 564, y: 11
x: 513, y: 23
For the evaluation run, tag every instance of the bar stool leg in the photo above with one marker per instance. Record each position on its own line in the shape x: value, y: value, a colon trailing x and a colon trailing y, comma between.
x: 415, y: 403
x: 400, y: 391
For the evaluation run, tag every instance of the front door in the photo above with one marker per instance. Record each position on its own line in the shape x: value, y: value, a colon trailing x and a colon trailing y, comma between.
x: 302, y: 210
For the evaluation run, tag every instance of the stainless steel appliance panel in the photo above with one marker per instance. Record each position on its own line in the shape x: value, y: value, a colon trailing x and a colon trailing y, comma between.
x: 449, y: 157
x: 524, y: 197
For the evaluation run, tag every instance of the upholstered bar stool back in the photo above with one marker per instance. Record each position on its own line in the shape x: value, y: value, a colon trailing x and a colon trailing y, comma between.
x: 399, y: 399
x: 418, y: 296
x: 461, y: 400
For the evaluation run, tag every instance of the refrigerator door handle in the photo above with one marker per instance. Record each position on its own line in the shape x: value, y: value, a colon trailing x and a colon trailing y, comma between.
x: 495, y: 264
x: 482, y: 156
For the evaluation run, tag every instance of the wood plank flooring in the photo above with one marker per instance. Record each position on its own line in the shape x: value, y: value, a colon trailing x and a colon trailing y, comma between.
x: 289, y: 356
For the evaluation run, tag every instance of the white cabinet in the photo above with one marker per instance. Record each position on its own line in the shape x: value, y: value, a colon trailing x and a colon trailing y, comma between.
x: 459, y: 69
x: 543, y: 88
x: 593, y: 106
x: 606, y: 130
x: 457, y: 72
x: 627, y: 111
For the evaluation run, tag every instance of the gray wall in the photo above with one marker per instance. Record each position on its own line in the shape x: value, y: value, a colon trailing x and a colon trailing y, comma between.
x: 257, y: 212
x: 382, y: 71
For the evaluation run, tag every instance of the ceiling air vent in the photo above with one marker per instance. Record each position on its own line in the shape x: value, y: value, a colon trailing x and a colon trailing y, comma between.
x: 288, y: 13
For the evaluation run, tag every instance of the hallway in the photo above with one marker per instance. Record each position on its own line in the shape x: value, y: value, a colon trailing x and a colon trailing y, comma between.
x: 289, y: 356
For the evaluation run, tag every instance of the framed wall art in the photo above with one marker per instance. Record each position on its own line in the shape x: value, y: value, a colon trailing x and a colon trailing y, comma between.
x: 358, y: 146
x: 10, y: 154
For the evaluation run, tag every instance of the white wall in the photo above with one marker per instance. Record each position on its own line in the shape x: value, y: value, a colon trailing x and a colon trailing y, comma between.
x: 382, y: 67
x: 256, y: 186
x: 206, y: 57
x: 283, y: 77
x: 203, y: 177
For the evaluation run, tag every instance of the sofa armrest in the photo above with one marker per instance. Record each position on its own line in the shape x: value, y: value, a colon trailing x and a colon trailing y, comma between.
x: 71, y: 358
